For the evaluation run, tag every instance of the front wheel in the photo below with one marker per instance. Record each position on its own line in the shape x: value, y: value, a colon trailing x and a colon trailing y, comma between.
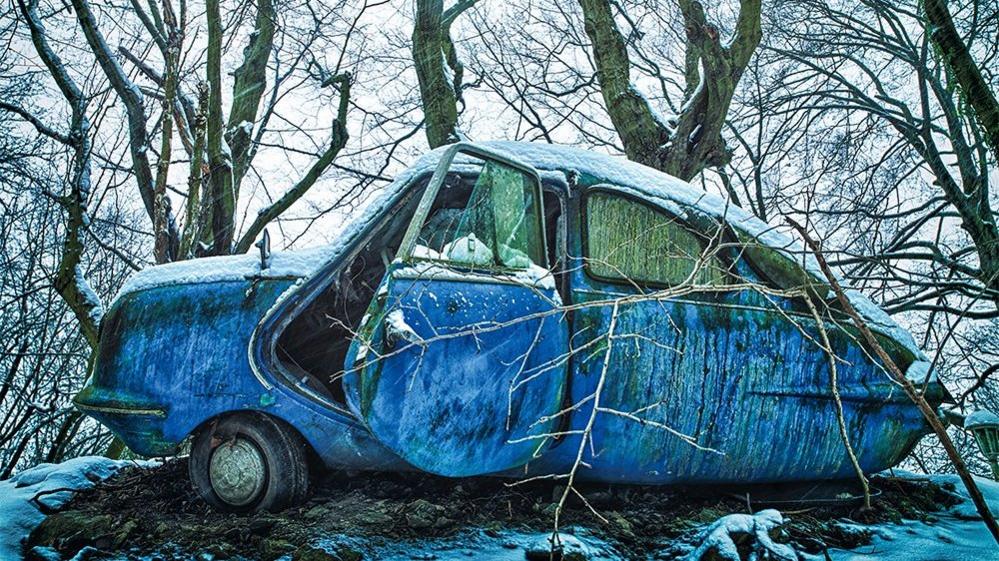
x: 249, y: 462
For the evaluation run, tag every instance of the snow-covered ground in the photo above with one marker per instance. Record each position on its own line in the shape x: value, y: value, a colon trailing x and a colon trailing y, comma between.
x: 956, y: 534
x: 47, y: 487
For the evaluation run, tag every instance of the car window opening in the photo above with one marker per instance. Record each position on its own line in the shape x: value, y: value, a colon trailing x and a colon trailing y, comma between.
x: 485, y: 219
x: 313, y: 347
x: 555, y: 238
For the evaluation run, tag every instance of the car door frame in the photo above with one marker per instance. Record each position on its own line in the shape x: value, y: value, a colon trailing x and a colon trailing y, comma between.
x: 403, y: 268
x: 261, y: 350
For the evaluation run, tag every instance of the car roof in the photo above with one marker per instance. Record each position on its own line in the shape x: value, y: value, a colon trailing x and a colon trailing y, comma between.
x: 682, y: 199
x: 617, y: 173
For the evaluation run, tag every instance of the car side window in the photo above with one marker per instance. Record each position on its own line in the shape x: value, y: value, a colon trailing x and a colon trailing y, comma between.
x: 488, y: 219
x: 630, y: 241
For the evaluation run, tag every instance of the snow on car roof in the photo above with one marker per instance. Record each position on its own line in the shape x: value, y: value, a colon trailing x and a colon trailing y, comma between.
x: 678, y: 196
x: 672, y: 194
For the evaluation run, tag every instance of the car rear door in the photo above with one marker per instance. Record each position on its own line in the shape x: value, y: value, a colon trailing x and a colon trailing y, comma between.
x: 460, y: 364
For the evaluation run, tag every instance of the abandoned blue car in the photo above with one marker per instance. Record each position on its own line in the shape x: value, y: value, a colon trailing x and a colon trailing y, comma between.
x: 510, y: 309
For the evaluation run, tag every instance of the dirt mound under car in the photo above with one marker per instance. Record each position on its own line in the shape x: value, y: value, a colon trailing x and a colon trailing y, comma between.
x: 154, y: 513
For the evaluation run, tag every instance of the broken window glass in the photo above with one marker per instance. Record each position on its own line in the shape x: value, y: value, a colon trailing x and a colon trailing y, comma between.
x: 485, y: 215
x: 630, y: 241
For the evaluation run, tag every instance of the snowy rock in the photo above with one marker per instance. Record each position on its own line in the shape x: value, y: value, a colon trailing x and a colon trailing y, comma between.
x: 26, y: 497
x: 720, y: 539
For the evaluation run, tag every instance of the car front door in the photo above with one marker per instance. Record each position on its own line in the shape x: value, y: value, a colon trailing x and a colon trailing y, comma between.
x: 460, y: 364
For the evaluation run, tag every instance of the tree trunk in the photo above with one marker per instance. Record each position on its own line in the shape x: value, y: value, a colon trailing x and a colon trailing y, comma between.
x: 250, y: 81
x: 963, y: 68
x: 440, y: 103
x: 69, y: 280
x: 713, y: 70
x: 221, y: 196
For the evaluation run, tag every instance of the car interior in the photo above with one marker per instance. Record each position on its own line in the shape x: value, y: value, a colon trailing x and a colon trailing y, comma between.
x: 313, y: 347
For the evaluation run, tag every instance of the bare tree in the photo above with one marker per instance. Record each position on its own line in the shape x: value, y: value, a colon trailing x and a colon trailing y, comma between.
x: 691, y: 141
x: 964, y: 69
x: 231, y: 141
x: 138, y: 121
x: 861, y: 61
x: 854, y: 119
x: 70, y: 281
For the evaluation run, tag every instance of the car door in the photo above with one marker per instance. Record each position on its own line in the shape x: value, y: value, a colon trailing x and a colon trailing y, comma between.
x: 632, y: 254
x: 460, y: 364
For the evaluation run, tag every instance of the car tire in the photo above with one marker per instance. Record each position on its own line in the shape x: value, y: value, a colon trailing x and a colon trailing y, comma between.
x: 249, y: 462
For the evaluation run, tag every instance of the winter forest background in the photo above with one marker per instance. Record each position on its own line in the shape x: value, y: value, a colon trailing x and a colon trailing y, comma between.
x: 135, y: 132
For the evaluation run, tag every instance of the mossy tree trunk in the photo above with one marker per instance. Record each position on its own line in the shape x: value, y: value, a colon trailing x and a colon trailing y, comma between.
x: 713, y: 68
x: 972, y: 203
x: 435, y: 57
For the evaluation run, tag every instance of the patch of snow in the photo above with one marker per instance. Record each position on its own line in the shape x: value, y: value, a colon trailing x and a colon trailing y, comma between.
x: 919, y: 372
x: 395, y: 323
x: 879, y: 320
x: 719, y: 537
x: 93, y: 300
x: 979, y: 418
x: 469, y: 250
x: 283, y: 264
x: 689, y: 103
x: 247, y: 127
x: 661, y: 119
x: 533, y: 277
x: 693, y: 134
x: 957, y: 534
x: 448, y: 71
x: 423, y: 252
x: 501, y: 545
x: 49, y: 485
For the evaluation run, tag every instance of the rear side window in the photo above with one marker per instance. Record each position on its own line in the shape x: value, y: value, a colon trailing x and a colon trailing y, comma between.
x: 633, y: 242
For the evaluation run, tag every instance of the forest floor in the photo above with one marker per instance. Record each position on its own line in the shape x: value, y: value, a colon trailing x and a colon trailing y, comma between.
x: 153, y: 513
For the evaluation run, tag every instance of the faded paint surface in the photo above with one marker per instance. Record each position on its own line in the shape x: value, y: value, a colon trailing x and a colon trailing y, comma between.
x: 746, y: 383
x: 727, y: 369
x: 181, y: 351
x: 478, y: 378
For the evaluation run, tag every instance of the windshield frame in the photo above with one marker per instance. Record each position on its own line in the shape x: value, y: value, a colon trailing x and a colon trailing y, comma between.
x: 408, y: 245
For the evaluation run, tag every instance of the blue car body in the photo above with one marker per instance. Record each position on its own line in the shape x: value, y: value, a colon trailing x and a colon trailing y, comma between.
x: 474, y: 370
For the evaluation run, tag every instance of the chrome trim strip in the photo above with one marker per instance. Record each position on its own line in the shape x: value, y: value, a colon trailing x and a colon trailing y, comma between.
x: 122, y: 410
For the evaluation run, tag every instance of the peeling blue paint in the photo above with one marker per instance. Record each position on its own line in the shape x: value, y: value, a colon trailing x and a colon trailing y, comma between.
x: 730, y: 370
x: 466, y: 397
x: 183, y: 350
